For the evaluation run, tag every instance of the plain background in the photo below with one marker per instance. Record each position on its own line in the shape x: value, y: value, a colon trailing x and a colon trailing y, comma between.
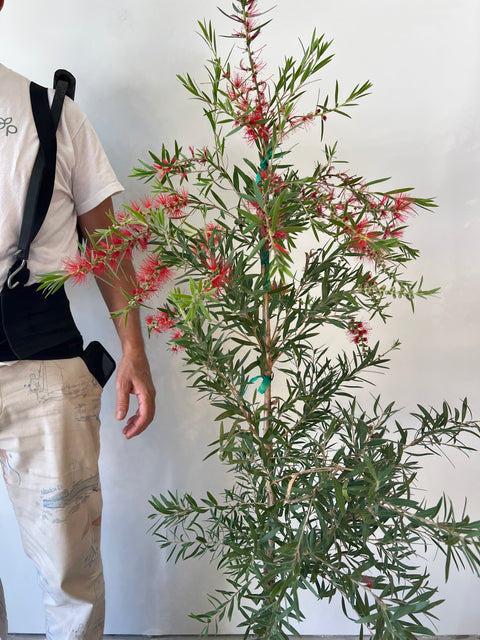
x: 420, y: 126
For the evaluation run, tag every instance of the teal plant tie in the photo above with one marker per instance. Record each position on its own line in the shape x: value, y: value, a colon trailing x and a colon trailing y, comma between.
x: 265, y: 260
x: 266, y: 382
x: 263, y: 166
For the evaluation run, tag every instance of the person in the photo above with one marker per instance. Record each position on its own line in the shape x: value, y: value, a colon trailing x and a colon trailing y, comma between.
x: 49, y: 425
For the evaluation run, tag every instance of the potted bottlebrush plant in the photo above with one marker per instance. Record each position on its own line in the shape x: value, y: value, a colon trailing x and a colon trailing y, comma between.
x: 322, y: 490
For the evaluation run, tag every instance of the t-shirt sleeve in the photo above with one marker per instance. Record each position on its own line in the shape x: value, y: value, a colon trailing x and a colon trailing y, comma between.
x: 93, y: 179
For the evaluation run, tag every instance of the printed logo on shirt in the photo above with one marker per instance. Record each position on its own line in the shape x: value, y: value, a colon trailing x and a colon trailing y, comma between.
x: 7, y: 126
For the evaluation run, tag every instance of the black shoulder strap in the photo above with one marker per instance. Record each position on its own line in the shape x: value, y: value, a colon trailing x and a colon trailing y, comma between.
x: 35, y: 212
x: 42, y: 180
x: 61, y: 75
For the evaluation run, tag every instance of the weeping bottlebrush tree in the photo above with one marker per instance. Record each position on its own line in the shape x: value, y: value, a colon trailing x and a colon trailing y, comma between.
x: 322, y: 490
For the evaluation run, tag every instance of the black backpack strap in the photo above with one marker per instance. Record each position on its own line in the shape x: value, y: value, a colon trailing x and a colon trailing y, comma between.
x: 61, y: 75
x: 42, y: 180
x: 65, y: 81
x: 34, y: 216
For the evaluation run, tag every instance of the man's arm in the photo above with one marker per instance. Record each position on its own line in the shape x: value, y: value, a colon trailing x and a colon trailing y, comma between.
x: 133, y: 374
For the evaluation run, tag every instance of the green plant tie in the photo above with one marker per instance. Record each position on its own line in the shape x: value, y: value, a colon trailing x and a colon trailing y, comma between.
x: 266, y: 382
x: 263, y: 166
x: 265, y: 260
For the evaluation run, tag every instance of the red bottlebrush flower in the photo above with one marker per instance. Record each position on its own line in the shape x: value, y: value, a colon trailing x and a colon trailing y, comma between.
x: 239, y: 83
x: 162, y: 169
x: 177, y: 166
x: 129, y: 237
x: 147, y: 202
x: 296, y: 122
x: 120, y: 216
x: 232, y: 94
x: 173, y: 203
x: 148, y: 268
x: 175, y: 335
x: 392, y: 233
x: 93, y: 261
x: 212, y: 227
x: 403, y: 204
x: 358, y: 332
x: 362, y: 235
x: 98, y: 262
x: 152, y: 270
x: 77, y: 268
x: 162, y: 322
x: 278, y: 247
x: 135, y: 206
x: 223, y: 274
x: 279, y: 234
x: 247, y: 94
x: 368, y: 581
x: 361, y: 244
x: 256, y: 128
x: 277, y: 183
x: 381, y: 205
x: 218, y: 266
x: 116, y: 244
x: 369, y: 281
x: 151, y: 276
x: 255, y: 208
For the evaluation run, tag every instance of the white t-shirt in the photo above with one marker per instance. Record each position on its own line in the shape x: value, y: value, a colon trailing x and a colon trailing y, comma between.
x: 83, y: 179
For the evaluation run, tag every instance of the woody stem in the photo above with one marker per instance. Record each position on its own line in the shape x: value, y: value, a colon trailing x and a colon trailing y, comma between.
x: 268, y: 367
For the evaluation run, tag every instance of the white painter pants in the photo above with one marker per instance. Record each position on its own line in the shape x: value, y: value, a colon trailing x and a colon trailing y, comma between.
x: 49, y: 448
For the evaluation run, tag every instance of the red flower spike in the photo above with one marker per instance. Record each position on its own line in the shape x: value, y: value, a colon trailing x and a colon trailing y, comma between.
x: 163, y: 322
x: 278, y: 247
x: 368, y: 581
x: 151, y: 276
x: 223, y: 275
x: 215, y: 229
x: 76, y: 271
x: 173, y: 203
x: 403, y: 203
x: 136, y: 206
x: 147, y: 202
x: 358, y: 332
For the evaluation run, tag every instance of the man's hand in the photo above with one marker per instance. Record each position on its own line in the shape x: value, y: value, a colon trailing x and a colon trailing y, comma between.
x: 133, y: 375
x: 134, y: 378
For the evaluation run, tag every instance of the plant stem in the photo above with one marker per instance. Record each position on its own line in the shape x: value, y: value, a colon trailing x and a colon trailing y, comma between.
x: 268, y: 393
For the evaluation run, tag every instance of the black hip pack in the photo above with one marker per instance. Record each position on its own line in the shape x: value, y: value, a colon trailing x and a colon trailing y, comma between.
x: 34, y: 326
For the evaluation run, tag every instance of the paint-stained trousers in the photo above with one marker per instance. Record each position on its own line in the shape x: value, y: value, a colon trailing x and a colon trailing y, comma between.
x: 49, y: 448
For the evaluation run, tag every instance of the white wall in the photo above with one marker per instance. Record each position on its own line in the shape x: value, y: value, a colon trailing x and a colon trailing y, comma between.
x: 420, y: 126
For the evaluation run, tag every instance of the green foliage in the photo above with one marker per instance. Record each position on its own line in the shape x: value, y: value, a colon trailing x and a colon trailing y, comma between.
x: 323, y: 493
x: 344, y: 516
x: 323, y: 497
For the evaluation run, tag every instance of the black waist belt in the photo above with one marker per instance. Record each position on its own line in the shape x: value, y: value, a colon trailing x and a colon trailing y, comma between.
x: 35, y: 327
